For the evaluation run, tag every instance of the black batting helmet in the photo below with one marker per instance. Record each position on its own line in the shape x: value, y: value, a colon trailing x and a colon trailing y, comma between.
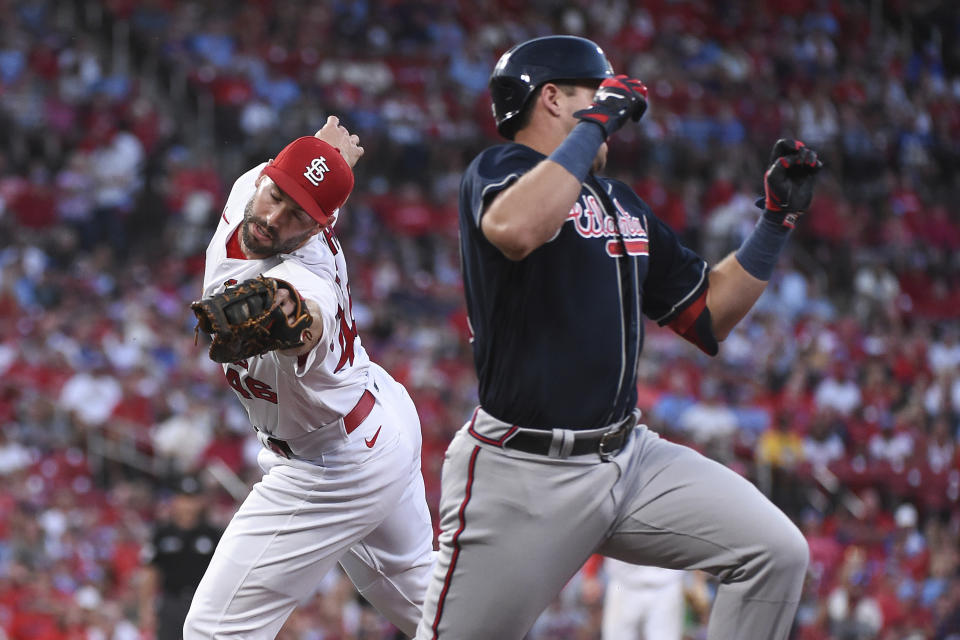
x: 529, y: 64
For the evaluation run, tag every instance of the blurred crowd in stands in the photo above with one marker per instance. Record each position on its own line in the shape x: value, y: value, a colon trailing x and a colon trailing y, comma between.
x: 125, y: 122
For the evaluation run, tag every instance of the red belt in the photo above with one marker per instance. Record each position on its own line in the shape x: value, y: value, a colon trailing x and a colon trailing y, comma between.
x: 351, y: 421
x: 360, y: 412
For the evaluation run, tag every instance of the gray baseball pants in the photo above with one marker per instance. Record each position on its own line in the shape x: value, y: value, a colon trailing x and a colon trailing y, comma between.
x: 515, y: 527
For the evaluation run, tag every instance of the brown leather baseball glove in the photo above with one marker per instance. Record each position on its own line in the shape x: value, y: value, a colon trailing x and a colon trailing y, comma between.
x: 246, y: 319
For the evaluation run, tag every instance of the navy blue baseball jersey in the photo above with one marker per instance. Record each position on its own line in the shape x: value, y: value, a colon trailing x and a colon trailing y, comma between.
x: 557, y: 335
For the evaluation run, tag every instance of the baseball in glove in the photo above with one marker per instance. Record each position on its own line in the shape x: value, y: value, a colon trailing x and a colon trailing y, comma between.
x: 247, y: 320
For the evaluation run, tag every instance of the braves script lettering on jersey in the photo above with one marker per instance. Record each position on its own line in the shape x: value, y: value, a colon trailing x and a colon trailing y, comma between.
x: 341, y: 456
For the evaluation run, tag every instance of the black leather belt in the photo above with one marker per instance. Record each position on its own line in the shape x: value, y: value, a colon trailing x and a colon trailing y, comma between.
x: 539, y: 442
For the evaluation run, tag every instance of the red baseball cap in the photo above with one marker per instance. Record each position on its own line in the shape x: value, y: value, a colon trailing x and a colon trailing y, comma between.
x: 314, y: 174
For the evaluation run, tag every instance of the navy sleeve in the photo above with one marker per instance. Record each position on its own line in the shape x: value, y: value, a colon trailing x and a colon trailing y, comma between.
x: 493, y: 171
x: 675, y: 290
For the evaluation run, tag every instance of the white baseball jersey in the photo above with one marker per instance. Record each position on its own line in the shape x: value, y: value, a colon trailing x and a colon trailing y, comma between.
x: 287, y: 396
x: 348, y: 494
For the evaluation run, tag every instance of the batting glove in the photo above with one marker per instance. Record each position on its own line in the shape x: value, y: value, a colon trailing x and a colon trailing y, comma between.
x: 617, y: 99
x: 788, y: 183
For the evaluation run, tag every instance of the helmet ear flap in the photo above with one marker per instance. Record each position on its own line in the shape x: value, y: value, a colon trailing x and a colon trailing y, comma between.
x: 510, y: 96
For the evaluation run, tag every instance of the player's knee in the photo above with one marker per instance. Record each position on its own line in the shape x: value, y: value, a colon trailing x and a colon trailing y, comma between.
x: 789, y: 552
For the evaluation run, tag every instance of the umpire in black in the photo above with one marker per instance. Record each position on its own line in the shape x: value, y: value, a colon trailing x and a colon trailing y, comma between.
x: 175, y: 559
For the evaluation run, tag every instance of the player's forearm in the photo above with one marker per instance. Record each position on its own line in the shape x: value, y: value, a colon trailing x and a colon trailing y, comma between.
x: 337, y: 136
x: 732, y: 293
x: 531, y: 211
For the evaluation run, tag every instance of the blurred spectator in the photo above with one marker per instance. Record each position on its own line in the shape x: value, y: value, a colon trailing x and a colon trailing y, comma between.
x: 942, y: 395
x: 92, y: 393
x: 710, y: 423
x: 943, y: 355
x: 853, y: 612
x: 941, y: 446
x: 893, y: 443
x: 876, y: 288
x: 822, y: 445
x: 779, y: 452
x: 14, y: 456
x: 839, y: 391
x: 191, y: 421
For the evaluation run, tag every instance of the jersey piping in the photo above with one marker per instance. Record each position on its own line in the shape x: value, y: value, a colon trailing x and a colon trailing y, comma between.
x: 673, y: 309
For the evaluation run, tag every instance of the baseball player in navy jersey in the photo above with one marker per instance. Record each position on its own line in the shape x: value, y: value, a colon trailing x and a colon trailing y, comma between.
x: 559, y: 264
x: 341, y: 438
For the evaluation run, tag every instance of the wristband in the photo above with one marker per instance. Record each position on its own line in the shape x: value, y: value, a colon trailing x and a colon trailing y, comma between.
x: 759, y: 252
x: 577, y: 151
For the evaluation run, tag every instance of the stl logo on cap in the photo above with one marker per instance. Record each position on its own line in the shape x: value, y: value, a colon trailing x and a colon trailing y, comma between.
x: 314, y: 174
x: 315, y: 171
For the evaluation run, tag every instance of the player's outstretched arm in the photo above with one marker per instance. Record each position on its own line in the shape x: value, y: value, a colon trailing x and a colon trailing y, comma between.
x: 738, y: 280
x: 732, y: 293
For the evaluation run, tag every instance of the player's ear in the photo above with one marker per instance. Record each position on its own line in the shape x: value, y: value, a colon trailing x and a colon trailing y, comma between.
x: 550, y: 97
x: 317, y: 228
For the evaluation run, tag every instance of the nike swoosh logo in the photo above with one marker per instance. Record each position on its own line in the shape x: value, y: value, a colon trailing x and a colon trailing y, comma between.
x: 372, y: 441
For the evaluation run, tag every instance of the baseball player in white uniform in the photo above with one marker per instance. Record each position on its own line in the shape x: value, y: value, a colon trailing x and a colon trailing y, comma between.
x: 642, y: 603
x: 341, y: 438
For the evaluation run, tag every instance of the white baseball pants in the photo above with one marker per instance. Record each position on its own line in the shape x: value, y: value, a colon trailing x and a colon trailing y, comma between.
x: 362, y: 506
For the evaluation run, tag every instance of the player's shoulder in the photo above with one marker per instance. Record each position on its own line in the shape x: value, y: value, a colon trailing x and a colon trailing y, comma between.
x: 503, y: 159
x: 496, y: 167
x: 249, y: 177
x: 507, y: 153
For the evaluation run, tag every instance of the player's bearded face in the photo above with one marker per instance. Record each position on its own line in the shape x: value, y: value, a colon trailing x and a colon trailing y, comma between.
x: 267, y: 241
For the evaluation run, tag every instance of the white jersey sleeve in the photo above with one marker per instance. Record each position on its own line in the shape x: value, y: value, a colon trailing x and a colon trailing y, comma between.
x: 287, y: 396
